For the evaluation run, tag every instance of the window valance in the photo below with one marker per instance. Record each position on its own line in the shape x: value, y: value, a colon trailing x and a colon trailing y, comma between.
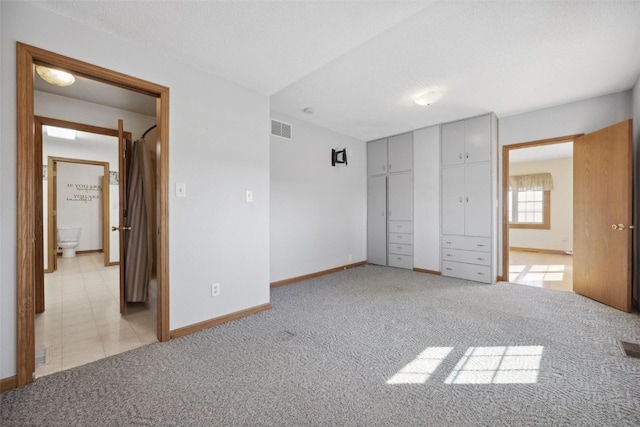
x: 534, y: 181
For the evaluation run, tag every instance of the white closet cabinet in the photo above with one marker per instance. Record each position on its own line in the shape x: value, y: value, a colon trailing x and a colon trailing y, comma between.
x: 467, y: 199
x: 377, y: 157
x: 467, y: 141
x: 400, y: 226
x: 377, y: 220
x: 400, y: 153
x: 390, y: 155
x: 390, y: 201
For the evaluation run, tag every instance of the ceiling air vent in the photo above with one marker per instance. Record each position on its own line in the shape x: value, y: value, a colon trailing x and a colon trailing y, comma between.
x: 283, y: 130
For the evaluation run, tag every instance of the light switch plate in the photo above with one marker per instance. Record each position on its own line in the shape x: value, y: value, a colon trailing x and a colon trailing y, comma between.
x: 181, y: 189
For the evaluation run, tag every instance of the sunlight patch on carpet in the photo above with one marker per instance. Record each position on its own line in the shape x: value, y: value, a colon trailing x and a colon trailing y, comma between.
x: 420, y: 369
x: 497, y: 365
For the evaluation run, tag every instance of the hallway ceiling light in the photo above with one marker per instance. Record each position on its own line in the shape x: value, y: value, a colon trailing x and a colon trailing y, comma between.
x: 55, y: 77
x: 427, y: 98
x: 63, y: 133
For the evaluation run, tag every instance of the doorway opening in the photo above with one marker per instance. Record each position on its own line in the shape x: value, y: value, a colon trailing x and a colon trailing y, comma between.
x: 30, y: 237
x: 81, y: 289
x: 538, y: 213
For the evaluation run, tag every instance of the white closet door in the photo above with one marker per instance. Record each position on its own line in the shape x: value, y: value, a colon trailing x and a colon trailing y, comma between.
x: 377, y: 157
x: 453, y: 144
x: 453, y: 202
x: 401, y: 152
x: 400, y: 197
x: 478, y: 200
x: 478, y: 139
x: 377, y: 220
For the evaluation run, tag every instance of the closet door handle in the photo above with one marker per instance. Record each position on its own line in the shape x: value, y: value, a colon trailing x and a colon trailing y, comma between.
x: 460, y: 199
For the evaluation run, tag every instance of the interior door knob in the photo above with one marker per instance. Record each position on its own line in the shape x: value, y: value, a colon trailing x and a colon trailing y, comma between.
x: 114, y: 228
x: 614, y: 227
x: 620, y: 227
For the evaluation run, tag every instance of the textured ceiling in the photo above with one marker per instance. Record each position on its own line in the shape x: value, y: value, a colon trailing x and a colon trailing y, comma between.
x: 358, y: 63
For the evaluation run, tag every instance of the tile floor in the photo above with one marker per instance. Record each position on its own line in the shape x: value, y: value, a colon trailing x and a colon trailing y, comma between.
x: 82, y: 322
x: 552, y: 271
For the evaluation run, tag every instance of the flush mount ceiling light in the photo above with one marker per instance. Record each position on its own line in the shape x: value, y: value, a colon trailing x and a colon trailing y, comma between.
x: 427, y: 98
x: 309, y: 110
x: 55, y: 77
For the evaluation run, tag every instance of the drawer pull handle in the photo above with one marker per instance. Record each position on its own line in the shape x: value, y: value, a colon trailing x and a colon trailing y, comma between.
x: 399, y: 247
x: 449, y: 243
x: 448, y: 255
x: 399, y: 259
x: 480, y: 246
x: 480, y: 274
x: 480, y: 259
x: 449, y: 269
x: 399, y: 237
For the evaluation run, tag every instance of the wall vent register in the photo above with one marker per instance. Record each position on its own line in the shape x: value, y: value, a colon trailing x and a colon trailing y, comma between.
x: 283, y: 130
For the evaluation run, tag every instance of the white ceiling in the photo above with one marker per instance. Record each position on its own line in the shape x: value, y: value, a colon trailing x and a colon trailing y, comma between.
x: 358, y: 63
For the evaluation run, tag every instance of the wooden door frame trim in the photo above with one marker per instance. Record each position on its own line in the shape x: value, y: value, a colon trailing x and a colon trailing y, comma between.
x: 26, y: 57
x: 506, y: 149
x: 43, y: 121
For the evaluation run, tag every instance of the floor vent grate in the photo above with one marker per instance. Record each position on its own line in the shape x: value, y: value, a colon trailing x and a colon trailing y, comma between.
x: 630, y: 349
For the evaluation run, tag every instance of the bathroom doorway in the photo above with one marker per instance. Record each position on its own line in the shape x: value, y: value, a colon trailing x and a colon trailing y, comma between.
x: 73, y: 188
x: 29, y: 191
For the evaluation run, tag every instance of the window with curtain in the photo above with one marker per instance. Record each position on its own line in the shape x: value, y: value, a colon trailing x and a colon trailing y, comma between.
x: 530, y: 201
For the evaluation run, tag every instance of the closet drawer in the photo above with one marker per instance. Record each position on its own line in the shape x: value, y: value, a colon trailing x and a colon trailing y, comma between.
x: 479, y: 273
x: 401, y: 261
x: 482, y: 244
x: 469, y: 257
x: 398, y: 249
x: 405, y: 239
x: 400, y: 227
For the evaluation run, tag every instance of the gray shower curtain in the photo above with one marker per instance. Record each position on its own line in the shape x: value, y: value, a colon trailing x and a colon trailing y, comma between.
x: 139, y: 242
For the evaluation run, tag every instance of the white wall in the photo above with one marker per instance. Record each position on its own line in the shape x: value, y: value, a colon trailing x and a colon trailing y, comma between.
x: 560, y: 236
x: 318, y: 211
x: 80, y: 202
x: 636, y: 190
x: 568, y: 119
x: 218, y: 146
x: 426, y: 198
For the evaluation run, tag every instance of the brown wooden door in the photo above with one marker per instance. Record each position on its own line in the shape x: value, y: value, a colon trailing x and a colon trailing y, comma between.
x: 602, y: 215
x: 124, y: 148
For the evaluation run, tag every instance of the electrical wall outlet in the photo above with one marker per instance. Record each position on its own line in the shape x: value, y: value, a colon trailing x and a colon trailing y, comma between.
x: 215, y: 289
x: 350, y: 258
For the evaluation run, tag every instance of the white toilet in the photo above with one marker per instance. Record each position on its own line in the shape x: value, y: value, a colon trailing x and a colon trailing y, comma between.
x: 68, y: 239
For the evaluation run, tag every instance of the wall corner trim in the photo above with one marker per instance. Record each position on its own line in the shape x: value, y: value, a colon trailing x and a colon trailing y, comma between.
x: 316, y: 274
x: 189, y: 329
